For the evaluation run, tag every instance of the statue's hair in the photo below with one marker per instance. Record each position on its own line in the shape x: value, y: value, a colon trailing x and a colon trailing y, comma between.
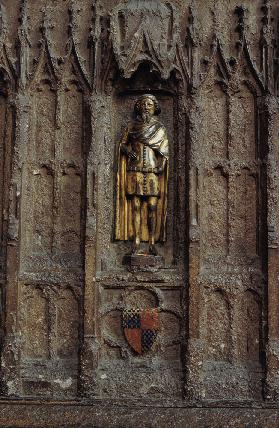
x: 153, y: 98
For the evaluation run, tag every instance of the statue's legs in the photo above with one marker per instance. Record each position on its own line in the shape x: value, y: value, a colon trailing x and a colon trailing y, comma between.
x: 152, y: 213
x: 136, y: 205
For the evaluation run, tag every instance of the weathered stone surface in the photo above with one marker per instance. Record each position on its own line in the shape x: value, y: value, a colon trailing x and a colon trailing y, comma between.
x: 131, y: 414
x: 70, y: 73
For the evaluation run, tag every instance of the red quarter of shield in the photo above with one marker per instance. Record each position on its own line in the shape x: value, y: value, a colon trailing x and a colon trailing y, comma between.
x: 140, y: 328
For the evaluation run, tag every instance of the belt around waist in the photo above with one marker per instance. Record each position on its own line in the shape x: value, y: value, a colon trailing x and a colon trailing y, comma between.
x: 143, y: 169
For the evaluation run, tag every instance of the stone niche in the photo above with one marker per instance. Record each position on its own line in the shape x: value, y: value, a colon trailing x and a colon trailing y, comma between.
x: 133, y: 72
x: 125, y: 93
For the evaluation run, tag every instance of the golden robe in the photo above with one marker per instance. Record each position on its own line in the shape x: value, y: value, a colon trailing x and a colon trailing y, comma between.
x: 144, y: 177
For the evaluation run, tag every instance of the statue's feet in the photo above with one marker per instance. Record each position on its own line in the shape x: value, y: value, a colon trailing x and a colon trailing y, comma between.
x: 135, y: 248
x: 152, y: 250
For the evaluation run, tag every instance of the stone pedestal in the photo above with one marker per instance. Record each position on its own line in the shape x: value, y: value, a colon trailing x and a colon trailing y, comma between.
x: 143, y: 262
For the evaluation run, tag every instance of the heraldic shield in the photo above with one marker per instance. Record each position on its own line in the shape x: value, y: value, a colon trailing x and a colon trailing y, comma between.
x: 140, y: 328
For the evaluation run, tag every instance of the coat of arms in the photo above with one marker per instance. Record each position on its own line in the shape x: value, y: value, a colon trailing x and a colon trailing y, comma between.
x: 140, y: 328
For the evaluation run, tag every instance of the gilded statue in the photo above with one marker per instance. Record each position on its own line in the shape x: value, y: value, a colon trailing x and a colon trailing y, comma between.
x: 142, y: 178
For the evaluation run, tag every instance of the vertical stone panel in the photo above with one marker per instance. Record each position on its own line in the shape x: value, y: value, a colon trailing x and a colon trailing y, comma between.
x: 67, y: 325
x: 6, y: 153
x: 72, y: 124
x: 71, y: 201
x: 252, y: 215
x: 243, y: 125
x: 41, y: 215
x: 271, y: 120
x: 37, y: 207
x: 35, y: 324
x: 45, y: 122
x: 249, y: 338
x: 218, y: 328
x: 51, y: 218
x: 71, y: 207
x: 7, y: 162
x: 245, y: 224
x: 2, y: 153
x: 215, y: 116
x: 252, y: 322
x: 3, y: 148
x: 215, y: 215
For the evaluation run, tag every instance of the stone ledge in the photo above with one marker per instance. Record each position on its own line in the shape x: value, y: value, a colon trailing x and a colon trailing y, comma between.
x: 113, y: 413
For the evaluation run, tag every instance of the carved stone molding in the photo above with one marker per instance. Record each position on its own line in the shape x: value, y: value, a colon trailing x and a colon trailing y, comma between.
x: 145, y: 31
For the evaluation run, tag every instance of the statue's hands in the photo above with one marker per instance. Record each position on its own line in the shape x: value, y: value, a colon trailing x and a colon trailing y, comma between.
x: 132, y: 155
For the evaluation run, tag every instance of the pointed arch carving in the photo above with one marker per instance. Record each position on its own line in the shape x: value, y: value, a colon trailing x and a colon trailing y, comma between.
x: 147, y: 32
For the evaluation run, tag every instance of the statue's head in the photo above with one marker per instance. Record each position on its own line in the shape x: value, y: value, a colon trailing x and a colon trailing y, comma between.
x: 146, y: 106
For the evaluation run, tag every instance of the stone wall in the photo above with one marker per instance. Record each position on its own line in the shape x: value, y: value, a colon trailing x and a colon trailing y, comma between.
x: 70, y: 72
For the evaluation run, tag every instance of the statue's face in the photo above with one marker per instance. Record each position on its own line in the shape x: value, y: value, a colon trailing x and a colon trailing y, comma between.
x: 146, y: 106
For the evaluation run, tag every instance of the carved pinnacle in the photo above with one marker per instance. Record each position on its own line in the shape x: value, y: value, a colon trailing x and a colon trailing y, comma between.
x: 267, y: 43
x: 23, y: 43
x: 23, y: 17
x: 72, y: 19
x: 192, y: 34
x: 3, y: 26
x: 23, y: 29
x: 267, y: 29
x: 46, y: 25
x: 92, y: 39
x: 240, y: 11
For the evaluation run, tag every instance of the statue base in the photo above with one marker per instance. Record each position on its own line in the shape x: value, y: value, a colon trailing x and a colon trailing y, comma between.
x: 143, y: 262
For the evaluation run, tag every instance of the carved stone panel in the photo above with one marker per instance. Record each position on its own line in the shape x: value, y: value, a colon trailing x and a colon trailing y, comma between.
x: 82, y: 315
